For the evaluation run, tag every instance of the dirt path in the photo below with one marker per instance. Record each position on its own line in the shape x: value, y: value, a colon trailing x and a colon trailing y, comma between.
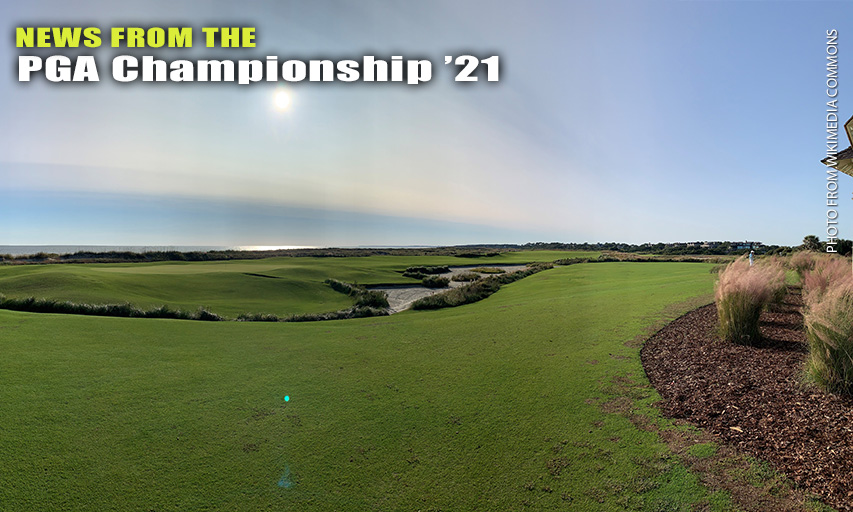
x: 401, y: 296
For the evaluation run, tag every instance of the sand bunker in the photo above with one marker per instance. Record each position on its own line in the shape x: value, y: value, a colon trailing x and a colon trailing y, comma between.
x: 401, y: 296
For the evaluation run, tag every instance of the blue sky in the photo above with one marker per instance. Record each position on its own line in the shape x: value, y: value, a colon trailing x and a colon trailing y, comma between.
x: 628, y: 121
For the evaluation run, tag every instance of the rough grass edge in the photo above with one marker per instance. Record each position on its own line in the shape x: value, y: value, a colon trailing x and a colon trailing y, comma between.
x: 369, y: 303
x: 126, y: 310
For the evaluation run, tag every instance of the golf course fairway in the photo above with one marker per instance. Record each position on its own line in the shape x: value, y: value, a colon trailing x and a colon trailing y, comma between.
x: 282, y: 286
x: 489, y: 406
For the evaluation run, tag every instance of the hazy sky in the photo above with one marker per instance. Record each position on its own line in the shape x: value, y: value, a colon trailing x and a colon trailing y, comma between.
x: 629, y: 121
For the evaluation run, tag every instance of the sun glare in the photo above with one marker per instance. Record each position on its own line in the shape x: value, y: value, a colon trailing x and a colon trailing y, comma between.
x: 281, y: 100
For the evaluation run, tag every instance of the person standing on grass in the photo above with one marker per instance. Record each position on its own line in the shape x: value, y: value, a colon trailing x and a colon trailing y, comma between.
x: 751, y: 256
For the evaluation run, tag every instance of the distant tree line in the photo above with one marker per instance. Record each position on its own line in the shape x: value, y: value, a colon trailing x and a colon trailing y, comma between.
x: 813, y: 243
x: 810, y: 242
x: 149, y: 256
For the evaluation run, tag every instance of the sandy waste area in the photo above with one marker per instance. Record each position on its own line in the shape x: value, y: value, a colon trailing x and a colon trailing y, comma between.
x: 401, y: 296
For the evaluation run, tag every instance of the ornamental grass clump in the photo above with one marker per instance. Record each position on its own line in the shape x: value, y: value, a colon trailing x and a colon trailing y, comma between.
x: 775, y: 271
x: 829, y: 326
x: 826, y: 270
x: 740, y: 294
x: 802, y: 261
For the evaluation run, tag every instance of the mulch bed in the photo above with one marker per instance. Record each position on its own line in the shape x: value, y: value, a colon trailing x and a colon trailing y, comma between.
x: 754, y: 397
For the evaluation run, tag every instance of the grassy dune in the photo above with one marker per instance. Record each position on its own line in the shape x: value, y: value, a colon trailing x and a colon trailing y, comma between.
x: 280, y: 286
x: 489, y: 406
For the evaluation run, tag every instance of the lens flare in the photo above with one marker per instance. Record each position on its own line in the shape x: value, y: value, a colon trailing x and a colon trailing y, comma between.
x: 281, y: 100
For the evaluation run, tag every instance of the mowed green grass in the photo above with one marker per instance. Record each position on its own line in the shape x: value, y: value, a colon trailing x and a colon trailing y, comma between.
x: 488, y: 406
x: 280, y: 286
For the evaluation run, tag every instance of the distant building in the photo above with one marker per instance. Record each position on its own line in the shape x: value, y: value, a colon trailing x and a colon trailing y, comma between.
x: 746, y: 245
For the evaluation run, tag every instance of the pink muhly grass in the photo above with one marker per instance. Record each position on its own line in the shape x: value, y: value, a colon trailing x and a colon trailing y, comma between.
x: 774, y: 270
x: 802, y: 261
x: 829, y: 325
x: 740, y: 294
x: 827, y: 270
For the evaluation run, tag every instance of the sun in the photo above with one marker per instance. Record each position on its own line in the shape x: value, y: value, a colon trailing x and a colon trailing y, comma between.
x: 281, y: 100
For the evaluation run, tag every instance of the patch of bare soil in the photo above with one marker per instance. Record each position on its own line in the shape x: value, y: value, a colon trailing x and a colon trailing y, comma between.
x: 753, y: 398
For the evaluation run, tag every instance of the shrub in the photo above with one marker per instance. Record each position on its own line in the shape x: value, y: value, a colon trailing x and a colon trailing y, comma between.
x: 436, y: 282
x: 340, y: 286
x: 478, y: 290
x: 354, y: 312
x: 372, y: 299
x: 465, y: 277
x: 477, y: 254
x: 414, y: 275
x: 208, y: 316
x: 829, y: 325
x: 257, y: 317
x: 740, y: 294
x: 363, y: 297
x: 429, y: 270
x: 488, y: 270
x: 165, y: 312
x: 571, y: 261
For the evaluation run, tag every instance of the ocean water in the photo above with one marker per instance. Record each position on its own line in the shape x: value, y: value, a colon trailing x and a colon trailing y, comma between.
x: 20, y: 250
